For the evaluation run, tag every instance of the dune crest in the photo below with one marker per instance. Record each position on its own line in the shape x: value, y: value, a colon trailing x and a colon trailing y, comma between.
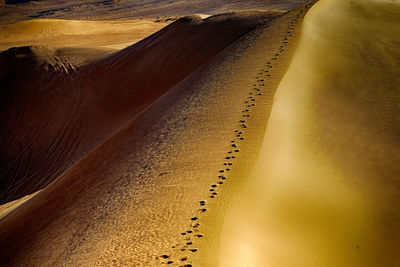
x: 325, y: 188
x: 255, y: 138
x: 123, y: 200
x: 90, y: 102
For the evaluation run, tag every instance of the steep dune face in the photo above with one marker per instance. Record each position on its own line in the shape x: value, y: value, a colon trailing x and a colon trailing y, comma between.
x: 128, y: 201
x: 325, y: 189
x: 37, y: 111
x: 83, y: 105
x: 165, y: 58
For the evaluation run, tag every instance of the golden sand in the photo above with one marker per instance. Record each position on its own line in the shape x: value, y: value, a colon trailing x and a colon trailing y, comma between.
x: 77, y: 33
x: 324, y: 190
x: 282, y: 150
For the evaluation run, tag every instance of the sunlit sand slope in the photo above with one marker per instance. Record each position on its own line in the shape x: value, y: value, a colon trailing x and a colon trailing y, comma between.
x: 78, y: 33
x: 129, y: 200
x: 325, y: 190
x: 55, y: 107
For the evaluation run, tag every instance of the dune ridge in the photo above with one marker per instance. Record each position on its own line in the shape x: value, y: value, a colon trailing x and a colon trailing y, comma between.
x: 278, y: 147
x: 90, y: 102
x: 124, y: 197
x: 324, y: 190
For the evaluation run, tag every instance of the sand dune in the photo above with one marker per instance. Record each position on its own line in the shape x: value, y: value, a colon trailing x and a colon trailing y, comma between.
x: 84, y: 104
x: 325, y: 188
x: 122, y: 203
x: 125, y: 9
x: 244, y: 139
x: 77, y: 33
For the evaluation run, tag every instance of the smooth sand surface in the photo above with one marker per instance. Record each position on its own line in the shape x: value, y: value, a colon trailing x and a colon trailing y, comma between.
x: 77, y: 33
x: 325, y: 188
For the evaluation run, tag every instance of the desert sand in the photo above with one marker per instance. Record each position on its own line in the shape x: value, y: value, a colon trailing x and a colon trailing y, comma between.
x: 325, y: 187
x: 127, y: 10
x: 243, y: 139
x: 60, y: 103
x: 77, y: 33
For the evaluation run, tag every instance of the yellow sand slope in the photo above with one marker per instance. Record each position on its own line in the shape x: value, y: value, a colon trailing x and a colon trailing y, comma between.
x: 325, y: 190
x: 81, y: 33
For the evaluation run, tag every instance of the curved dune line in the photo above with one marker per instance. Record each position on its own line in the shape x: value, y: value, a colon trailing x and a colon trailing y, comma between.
x: 122, y: 202
x: 325, y: 188
x: 259, y: 97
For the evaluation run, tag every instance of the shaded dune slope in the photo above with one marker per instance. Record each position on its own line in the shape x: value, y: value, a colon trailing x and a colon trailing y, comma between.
x: 56, y: 107
x: 122, y: 203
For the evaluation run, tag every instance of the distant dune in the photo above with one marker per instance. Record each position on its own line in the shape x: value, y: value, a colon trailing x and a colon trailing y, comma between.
x: 126, y: 9
x: 77, y: 33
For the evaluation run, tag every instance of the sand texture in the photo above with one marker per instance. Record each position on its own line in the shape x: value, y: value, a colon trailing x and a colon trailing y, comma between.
x: 254, y: 138
x: 60, y: 103
x: 128, y: 200
x: 325, y: 188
